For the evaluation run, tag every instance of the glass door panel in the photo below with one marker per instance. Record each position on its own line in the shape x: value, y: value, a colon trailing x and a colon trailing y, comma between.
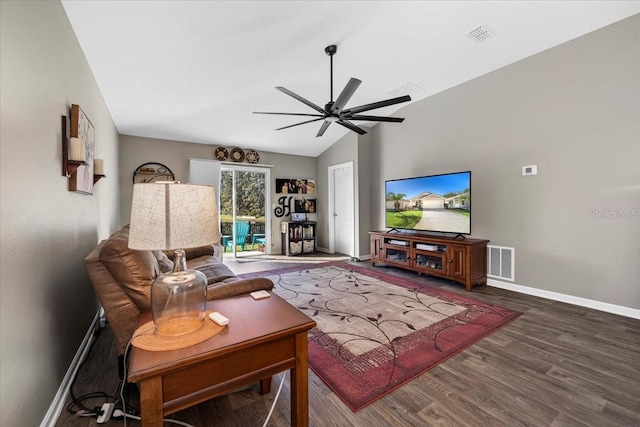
x: 243, y: 214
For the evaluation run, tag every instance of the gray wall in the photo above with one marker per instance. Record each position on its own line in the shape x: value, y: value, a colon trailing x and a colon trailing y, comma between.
x: 572, y: 110
x: 47, y: 303
x: 135, y: 151
x: 344, y: 150
x: 364, y: 207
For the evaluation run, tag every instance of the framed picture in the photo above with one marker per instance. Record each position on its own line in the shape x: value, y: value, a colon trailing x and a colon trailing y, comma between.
x: 298, y: 217
x: 81, y: 128
x: 304, y: 205
x: 295, y: 186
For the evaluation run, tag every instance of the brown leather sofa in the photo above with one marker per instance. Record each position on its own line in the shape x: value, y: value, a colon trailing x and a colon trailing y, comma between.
x: 122, y: 279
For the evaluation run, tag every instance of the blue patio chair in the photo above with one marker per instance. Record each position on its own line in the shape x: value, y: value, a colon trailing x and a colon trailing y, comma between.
x: 242, y: 232
x: 259, y: 239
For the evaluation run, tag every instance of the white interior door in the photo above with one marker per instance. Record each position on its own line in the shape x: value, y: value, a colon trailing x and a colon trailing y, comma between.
x: 342, y: 231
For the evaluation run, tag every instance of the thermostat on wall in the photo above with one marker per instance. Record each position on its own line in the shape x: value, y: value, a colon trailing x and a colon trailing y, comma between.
x: 529, y: 170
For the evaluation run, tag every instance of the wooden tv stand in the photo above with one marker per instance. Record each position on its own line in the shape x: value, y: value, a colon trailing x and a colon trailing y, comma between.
x: 462, y: 260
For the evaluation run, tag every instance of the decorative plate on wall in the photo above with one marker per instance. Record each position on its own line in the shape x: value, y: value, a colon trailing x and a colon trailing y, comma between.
x: 221, y: 153
x: 252, y: 156
x: 237, y: 155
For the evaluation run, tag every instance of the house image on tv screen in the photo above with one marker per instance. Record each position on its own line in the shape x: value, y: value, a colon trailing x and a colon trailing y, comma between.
x: 459, y: 201
x: 432, y: 203
x: 428, y: 200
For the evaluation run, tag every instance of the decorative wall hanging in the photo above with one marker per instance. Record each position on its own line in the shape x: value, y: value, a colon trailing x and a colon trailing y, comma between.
x: 152, y: 172
x: 295, y: 186
x: 252, y: 156
x: 78, y: 147
x: 284, y: 207
x: 221, y: 153
x: 237, y: 155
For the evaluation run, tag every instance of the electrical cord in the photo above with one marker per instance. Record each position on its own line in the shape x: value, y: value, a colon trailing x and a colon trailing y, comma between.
x: 125, y: 374
x: 123, y: 412
x: 275, y: 399
x: 84, y: 411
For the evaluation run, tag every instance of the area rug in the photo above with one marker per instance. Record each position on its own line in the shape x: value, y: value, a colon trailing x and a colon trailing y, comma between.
x: 376, y: 332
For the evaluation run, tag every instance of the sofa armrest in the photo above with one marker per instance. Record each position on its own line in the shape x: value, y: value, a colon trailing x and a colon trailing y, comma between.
x: 238, y: 287
x: 120, y: 310
x: 214, y: 249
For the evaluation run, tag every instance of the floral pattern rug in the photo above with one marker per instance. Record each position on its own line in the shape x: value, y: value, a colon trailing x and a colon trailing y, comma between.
x: 376, y: 332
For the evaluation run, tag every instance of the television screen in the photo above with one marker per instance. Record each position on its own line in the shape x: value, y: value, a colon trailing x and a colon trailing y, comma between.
x: 439, y: 203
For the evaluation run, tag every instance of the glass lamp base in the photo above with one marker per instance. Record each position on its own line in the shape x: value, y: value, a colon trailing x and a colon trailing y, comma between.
x: 179, y: 303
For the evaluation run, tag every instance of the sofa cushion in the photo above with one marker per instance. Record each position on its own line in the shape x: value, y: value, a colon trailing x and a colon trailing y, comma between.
x: 134, y: 270
x: 165, y: 264
x: 192, y: 253
x: 238, y: 286
x: 214, y: 270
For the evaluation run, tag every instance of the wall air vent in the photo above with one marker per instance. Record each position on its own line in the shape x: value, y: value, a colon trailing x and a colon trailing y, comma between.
x: 500, y: 262
x: 480, y: 33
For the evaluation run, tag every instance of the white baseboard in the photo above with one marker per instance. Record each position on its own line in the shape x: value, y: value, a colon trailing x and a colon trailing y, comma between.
x: 57, y: 405
x: 570, y: 299
x: 360, y: 258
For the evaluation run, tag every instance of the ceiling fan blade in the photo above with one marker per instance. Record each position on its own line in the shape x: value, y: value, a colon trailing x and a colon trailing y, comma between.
x: 289, y: 114
x: 345, y: 95
x: 351, y: 126
x: 323, y: 128
x: 378, y: 104
x: 376, y: 118
x: 302, y: 123
x: 301, y: 99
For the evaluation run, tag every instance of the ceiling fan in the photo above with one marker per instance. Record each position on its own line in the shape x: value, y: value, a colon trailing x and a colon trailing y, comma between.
x: 334, y: 112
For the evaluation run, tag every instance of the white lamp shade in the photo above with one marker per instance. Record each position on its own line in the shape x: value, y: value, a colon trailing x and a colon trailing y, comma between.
x: 173, y: 216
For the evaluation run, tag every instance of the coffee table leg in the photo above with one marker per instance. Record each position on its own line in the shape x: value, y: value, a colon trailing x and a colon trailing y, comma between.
x: 300, y: 384
x: 151, y: 408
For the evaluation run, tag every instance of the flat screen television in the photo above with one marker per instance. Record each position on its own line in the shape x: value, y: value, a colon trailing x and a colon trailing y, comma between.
x: 435, y: 203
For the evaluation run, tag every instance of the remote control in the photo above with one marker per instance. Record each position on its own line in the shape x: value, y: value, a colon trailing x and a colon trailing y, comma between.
x: 219, y: 318
x: 259, y: 294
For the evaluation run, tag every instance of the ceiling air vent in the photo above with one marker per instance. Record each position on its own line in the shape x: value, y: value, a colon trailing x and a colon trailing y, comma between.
x: 480, y: 33
x: 407, y: 88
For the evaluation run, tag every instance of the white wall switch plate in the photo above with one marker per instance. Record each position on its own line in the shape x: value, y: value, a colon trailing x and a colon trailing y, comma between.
x: 529, y: 170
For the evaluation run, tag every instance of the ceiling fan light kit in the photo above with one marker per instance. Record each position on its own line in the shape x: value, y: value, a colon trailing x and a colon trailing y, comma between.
x: 334, y: 112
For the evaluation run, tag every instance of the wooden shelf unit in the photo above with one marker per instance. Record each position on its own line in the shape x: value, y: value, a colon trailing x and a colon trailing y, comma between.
x: 298, y: 237
x: 462, y: 260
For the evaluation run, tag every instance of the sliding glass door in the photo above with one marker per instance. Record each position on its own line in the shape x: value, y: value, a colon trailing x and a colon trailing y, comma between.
x: 244, y: 214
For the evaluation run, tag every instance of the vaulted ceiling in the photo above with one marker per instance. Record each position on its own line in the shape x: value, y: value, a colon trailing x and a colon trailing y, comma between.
x: 195, y: 71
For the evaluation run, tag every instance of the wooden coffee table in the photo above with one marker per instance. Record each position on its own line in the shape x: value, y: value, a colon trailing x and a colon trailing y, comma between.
x: 263, y: 337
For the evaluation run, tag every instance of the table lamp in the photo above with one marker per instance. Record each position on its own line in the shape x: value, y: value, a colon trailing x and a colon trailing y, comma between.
x: 174, y: 216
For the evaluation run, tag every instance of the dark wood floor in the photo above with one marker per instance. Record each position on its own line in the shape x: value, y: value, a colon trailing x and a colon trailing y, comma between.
x: 556, y: 365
